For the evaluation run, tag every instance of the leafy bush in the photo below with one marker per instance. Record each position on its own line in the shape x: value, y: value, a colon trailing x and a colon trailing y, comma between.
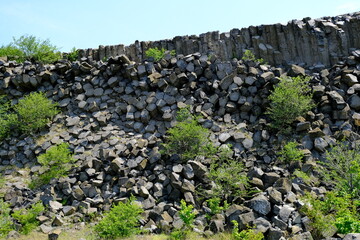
x: 158, y: 54
x: 228, y: 176
x: 290, y: 99
x: 187, y: 138
x: 249, y: 56
x: 7, y: 119
x: 27, y: 217
x: 35, y: 111
x: 290, y: 153
x: 247, y: 234
x: 6, y: 224
x: 57, y: 160
x: 73, y: 55
x: 187, y: 215
x: 28, y: 47
x: 121, y: 221
x: 342, y: 168
x: 333, y: 212
x: 215, y: 207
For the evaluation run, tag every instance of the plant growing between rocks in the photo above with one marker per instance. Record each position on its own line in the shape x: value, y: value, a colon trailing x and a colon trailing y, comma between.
x: 247, y: 234
x: 158, y: 54
x: 249, y: 56
x: 27, y: 217
x: 6, y: 224
x: 187, y: 215
x: 290, y: 153
x: 290, y: 99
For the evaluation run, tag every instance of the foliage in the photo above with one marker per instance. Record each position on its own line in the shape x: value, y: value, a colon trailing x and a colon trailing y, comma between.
x: 7, y: 119
x: 187, y: 138
x: 247, y: 234
x: 334, y: 211
x: 214, y: 205
x: 342, y: 168
x: 121, y: 221
x: 290, y: 99
x: 157, y: 53
x: 290, y: 153
x: 27, y: 217
x: 28, y: 47
x: 228, y: 176
x: 73, y: 55
x: 249, y: 56
x: 187, y: 215
x: 6, y: 224
x: 35, y: 111
x: 58, y: 160
x: 305, y: 177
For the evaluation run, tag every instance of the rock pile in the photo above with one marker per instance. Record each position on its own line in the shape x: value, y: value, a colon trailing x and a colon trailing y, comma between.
x: 116, y: 113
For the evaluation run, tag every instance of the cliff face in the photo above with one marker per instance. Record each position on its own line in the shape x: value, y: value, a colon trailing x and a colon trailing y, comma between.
x: 307, y: 42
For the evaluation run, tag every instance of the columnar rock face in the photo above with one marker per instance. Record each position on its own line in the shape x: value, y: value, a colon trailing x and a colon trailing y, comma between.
x: 306, y: 42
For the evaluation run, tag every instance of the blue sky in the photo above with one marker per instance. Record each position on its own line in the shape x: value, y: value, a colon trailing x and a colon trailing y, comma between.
x: 90, y: 23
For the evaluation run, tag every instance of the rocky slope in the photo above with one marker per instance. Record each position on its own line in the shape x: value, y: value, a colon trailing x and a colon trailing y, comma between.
x: 115, y: 115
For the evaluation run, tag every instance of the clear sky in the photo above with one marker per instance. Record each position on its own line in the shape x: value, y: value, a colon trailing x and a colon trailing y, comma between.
x: 90, y: 23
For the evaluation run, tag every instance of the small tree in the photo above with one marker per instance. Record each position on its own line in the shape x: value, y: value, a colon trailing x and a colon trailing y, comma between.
x: 121, y: 221
x: 27, y: 217
x: 290, y: 153
x: 290, y: 99
x: 35, y: 111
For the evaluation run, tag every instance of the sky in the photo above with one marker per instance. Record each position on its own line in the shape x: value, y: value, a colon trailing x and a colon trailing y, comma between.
x: 89, y: 23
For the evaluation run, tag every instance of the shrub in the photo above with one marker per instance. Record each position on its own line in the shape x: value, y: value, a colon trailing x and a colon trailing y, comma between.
x: 290, y: 153
x: 27, y: 217
x: 35, y: 111
x: 290, y: 99
x: 121, y: 221
x: 215, y: 207
x: 73, y: 55
x: 187, y: 138
x: 249, y: 56
x: 7, y: 119
x: 158, y: 54
x: 187, y: 215
x: 6, y: 224
x: 228, y: 176
x: 247, y: 234
x: 57, y: 160
x: 28, y: 47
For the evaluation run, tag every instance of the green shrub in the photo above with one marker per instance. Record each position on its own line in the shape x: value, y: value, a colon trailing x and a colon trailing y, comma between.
x: 6, y: 224
x: 187, y: 138
x: 8, y: 120
x: 28, y: 47
x: 342, y: 168
x: 228, y: 176
x: 73, y: 55
x: 290, y: 99
x: 187, y: 215
x: 334, y: 212
x: 157, y: 53
x: 27, y: 217
x: 247, y: 234
x: 121, y: 221
x: 290, y: 153
x: 35, y: 111
x: 215, y: 207
x: 57, y: 160
x: 249, y: 56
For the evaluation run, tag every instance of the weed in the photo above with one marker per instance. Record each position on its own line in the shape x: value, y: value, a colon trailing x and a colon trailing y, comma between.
x: 249, y: 56
x: 247, y: 234
x: 158, y: 54
x: 121, y: 221
x: 187, y: 215
x: 35, y: 111
x: 8, y: 120
x: 27, y: 217
x: 290, y: 153
x: 214, y: 205
x: 6, y: 224
x: 73, y: 55
x: 290, y: 99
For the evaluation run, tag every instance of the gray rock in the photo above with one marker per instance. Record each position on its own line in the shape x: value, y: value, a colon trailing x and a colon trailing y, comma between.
x: 262, y: 225
x: 354, y: 102
x: 260, y: 204
x: 352, y: 236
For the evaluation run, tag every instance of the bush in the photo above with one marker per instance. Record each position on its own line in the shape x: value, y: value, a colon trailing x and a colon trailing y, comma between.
x: 249, y: 56
x: 121, y: 221
x: 8, y: 120
x: 187, y: 138
x: 290, y: 153
x: 35, y: 111
x: 215, y: 207
x: 27, y: 217
x: 57, y: 160
x: 157, y: 53
x: 342, y: 168
x: 73, y: 55
x: 290, y: 99
x: 227, y: 175
x: 28, y: 47
x: 6, y: 224
x: 247, y: 234
x: 187, y: 215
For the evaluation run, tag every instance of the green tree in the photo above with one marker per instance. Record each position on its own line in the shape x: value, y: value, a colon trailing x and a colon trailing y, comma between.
x: 290, y: 152
x: 290, y: 99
